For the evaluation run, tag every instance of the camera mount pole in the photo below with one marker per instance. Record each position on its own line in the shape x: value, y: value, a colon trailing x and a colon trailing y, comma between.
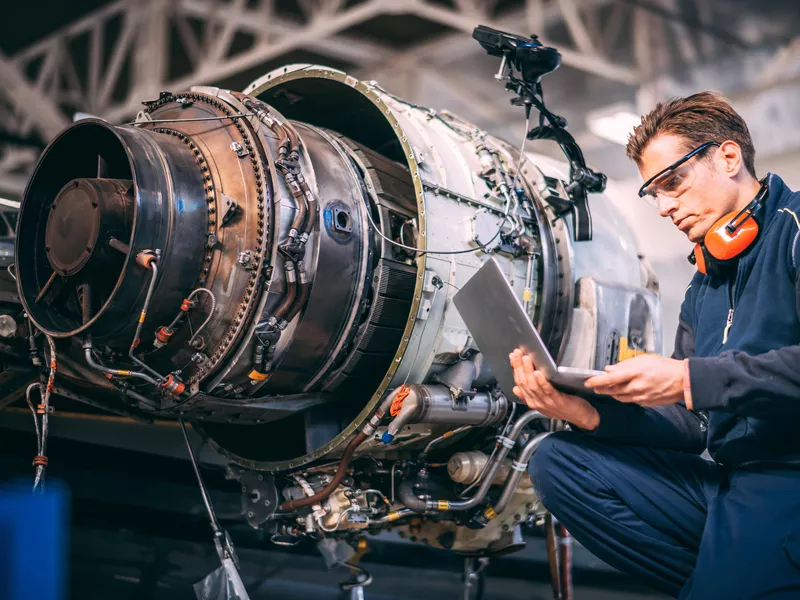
x: 533, y: 60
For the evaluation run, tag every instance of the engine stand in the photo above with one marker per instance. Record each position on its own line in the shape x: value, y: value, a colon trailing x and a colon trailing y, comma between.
x: 474, y: 577
x: 559, y: 554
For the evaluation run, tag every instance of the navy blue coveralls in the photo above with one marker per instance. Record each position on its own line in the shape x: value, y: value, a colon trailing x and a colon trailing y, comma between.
x: 635, y: 492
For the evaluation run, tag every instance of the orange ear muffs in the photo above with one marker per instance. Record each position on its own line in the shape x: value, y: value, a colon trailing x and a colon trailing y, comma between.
x: 728, y: 238
x: 698, y: 258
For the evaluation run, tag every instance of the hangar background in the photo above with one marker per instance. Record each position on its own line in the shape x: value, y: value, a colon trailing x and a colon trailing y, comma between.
x: 60, y: 59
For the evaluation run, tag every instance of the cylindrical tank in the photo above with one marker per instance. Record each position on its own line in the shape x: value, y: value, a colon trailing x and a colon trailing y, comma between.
x: 307, y: 237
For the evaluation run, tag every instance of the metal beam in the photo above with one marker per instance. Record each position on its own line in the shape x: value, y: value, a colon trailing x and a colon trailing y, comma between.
x: 211, y: 72
x: 450, y: 47
x: 576, y: 27
x: 46, y: 117
x: 257, y: 22
x: 586, y: 62
x: 151, y: 59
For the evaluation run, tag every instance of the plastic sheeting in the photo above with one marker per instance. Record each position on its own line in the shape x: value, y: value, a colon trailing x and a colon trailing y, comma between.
x: 222, y: 584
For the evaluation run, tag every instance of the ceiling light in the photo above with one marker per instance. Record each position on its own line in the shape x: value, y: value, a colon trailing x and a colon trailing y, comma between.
x: 614, y: 123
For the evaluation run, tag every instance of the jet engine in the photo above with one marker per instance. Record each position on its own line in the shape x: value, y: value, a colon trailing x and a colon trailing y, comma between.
x: 277, y: 266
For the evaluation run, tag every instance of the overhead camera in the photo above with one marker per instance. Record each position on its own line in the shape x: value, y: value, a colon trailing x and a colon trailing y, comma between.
x: 525, y: 60
x: 528, y: 55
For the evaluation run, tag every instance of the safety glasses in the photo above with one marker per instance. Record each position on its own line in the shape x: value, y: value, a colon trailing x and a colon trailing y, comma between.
x: 675, y: 179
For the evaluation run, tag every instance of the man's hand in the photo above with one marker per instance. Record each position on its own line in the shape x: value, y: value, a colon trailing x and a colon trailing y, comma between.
x: 534, y: 389
x: 648, y: 380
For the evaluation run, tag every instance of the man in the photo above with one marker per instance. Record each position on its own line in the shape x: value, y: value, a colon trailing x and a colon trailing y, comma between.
x: 627, y: 480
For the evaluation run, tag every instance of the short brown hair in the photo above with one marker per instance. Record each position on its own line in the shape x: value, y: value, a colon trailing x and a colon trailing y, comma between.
x: 699, y: 118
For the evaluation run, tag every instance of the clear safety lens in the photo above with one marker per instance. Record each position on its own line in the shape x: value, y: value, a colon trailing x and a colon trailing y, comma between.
x: 671, y: 184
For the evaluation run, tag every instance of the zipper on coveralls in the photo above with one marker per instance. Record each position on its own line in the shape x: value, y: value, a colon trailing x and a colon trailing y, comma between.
x: 732, y: 307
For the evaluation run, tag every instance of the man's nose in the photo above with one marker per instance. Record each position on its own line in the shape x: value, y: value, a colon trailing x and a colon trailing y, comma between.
x: 666, y: 205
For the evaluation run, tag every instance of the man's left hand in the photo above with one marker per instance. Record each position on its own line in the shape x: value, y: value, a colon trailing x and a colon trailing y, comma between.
x: 648, y: 380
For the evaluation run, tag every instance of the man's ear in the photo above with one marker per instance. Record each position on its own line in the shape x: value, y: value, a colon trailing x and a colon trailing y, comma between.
x: 731, y: 157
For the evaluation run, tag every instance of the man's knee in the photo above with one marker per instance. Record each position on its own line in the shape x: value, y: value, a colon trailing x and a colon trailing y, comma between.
x: 554, y: 459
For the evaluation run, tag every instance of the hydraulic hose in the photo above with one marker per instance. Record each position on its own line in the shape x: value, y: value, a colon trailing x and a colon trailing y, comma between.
x: 334, y: 483
x: 366, y: 431
x: 405, y: 492
x: 291, y: 292
x: 302, y: 297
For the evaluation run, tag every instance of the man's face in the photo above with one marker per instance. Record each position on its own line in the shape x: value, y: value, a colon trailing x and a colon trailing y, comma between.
x: 698, y: 195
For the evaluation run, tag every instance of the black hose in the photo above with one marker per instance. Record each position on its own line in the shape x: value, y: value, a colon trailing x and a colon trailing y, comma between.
x: 302, y: 296
x: 291, y: 291
x: 405, y: 492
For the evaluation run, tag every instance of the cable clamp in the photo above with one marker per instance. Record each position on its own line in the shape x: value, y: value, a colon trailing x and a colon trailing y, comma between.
x: 505, y: 441
x: 519, y: 466
x: 40, y: 461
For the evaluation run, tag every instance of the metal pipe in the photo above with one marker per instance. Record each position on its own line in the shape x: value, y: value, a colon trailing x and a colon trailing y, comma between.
x: 302, y: 204
x: 518, y: 467
x: 394, y: 515
x: 210, y: 313
x: 439, y: 439
x: 504, y: 445
x: 152, y: 265
x: 87, y: 349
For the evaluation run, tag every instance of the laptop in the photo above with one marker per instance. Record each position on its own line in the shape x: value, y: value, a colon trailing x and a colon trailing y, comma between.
x: 498, y: 324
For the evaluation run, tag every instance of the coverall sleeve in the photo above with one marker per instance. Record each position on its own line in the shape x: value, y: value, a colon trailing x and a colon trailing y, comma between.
x: 672, y: 426
x: 765, y: 386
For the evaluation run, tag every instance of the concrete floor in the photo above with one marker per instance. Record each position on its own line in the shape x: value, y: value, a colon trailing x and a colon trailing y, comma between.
x: 127, y: 566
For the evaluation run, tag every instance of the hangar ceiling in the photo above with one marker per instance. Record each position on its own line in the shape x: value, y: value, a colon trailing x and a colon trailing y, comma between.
x: 105, y: 58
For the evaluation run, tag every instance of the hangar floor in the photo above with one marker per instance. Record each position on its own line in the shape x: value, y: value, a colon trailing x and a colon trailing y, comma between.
x: 126, y: 565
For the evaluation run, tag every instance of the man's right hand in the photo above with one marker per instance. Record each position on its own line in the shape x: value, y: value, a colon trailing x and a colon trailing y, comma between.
x: 533, y: 388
